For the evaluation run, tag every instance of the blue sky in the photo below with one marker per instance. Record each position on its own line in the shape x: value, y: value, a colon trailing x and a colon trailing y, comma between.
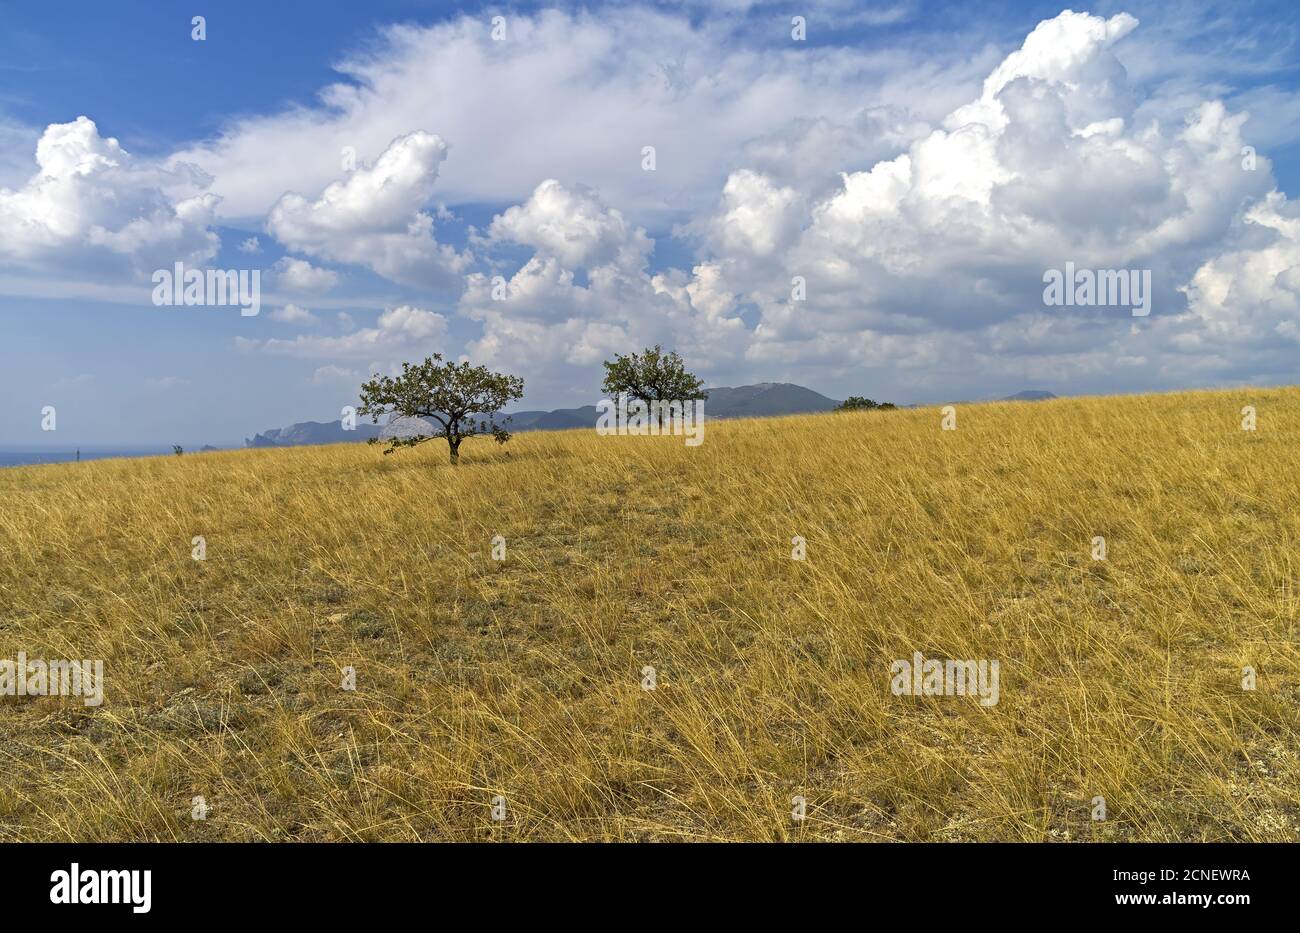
x: 918, y: 165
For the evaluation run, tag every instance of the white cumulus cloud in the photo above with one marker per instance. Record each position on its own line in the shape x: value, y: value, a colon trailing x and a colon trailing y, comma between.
x: 401, y: 332
x: 375, y: 216
x: 586, y: 293
x: 93, y: 210
x: 299, y: 275
x: 293, y: 314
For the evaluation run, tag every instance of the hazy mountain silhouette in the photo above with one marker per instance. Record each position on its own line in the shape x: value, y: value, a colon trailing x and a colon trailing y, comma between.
x: 311, y: 432
x: 1029, y: 395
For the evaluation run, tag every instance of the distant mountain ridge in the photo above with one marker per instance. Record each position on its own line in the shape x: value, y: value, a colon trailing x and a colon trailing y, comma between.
x: 763, y: 400
x: 1029, y: 395
x: 311, y: 432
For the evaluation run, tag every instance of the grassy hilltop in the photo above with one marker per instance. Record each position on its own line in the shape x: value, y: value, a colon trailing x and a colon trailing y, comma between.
x: 523, y: 678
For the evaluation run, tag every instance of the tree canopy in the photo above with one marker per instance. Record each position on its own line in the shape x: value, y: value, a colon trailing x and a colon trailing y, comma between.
x: 652, y: 375
x: 858, y: 403
x: 464, y: 400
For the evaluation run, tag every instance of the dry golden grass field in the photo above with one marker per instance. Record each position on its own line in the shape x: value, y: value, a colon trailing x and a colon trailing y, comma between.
x: 522, y: 679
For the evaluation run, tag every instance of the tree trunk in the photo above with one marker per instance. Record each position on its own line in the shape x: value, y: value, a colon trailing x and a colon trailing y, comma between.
x: 455, y: 450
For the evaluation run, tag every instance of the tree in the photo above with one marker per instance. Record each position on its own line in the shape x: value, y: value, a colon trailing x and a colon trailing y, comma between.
x: 177, y: 449
x: 651, y: 376
x: 858, y: 403
x: 463, y: 399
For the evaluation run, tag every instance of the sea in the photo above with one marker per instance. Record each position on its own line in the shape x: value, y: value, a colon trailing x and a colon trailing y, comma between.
x: 31, y: 457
